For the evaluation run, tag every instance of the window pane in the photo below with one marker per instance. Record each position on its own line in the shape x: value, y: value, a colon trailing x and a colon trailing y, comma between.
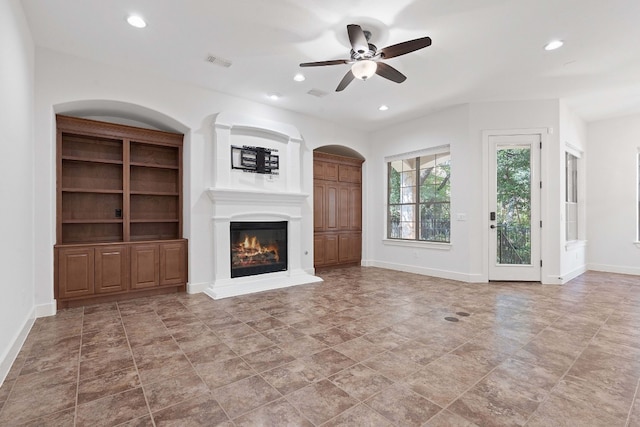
x: 407, y: 213
x: 571, y: 196
x: 409, y: 179
x: 409, y: 195
x: 435, y: 222
x: 394, y: 184
x: 394, y: 222
x: 408, y: 230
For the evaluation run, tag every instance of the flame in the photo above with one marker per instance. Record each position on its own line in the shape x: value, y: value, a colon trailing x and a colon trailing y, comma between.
x: 249, y: 249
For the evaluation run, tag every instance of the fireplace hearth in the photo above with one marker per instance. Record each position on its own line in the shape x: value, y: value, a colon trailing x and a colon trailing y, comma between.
x: 258, y: 247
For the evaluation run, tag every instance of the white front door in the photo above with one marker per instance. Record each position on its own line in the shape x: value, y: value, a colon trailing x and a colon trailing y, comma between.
x: 514, y: 208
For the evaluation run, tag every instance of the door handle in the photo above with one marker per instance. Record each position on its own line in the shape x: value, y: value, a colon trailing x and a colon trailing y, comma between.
x: 492, y: 226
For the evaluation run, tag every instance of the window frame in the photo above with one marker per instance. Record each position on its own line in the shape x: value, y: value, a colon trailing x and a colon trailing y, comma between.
x: 443, y: 150
x: 571, y: 199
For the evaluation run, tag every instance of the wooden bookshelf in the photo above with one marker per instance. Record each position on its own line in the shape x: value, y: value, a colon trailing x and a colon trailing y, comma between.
x: 119, y: 186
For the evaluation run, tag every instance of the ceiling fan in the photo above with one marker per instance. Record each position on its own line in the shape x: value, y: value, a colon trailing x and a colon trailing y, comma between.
x: 367, y: 59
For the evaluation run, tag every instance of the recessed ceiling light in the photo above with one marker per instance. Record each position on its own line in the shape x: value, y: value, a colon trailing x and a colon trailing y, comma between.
x: 299, y: 77
x: 553, y: 45
x: 136, y: 21
x: 274, y: 96
x: 383, y: 107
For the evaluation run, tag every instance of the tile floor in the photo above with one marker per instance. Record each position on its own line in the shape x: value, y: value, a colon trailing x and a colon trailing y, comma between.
x: 366, y: 347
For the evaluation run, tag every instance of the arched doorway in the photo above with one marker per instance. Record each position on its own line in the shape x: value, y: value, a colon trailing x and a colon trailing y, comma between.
x: 337, y: 206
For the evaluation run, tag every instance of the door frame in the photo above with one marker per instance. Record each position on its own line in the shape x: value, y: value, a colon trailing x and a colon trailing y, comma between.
x: 543, y: 133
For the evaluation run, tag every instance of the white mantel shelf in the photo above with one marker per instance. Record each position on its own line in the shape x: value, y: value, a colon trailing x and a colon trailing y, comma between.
x: 252, y: 197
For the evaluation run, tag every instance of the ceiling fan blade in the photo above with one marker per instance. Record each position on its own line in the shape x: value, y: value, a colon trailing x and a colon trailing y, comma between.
x: 348, y: 78
x: 404, y: 47
x: 320, y: 63
x: 388, y: 72
x: 357, y: 38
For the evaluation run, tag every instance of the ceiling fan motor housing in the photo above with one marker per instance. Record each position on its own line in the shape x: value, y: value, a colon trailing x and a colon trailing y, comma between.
x: 356, y: 56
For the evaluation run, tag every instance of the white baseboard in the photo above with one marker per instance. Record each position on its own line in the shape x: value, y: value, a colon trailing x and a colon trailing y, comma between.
x: 45, y: 310
x: 573, y: 274
x: 10, y: 355
x: 621, y: 269
x: 443, y: 274
x: 367, y: 263
x: 196, y: 288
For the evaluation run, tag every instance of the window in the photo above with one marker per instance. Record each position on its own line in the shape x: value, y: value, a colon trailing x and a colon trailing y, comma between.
x: 419, y: 191
x: 571, y: 197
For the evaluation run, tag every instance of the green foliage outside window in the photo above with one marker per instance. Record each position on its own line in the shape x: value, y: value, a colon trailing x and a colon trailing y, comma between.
x: 419, y: 194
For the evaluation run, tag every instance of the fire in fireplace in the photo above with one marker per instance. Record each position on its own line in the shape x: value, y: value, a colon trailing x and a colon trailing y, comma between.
x: 258, y: 247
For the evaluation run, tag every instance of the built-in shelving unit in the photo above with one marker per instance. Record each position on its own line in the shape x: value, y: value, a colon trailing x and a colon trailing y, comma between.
x: 117, y: 185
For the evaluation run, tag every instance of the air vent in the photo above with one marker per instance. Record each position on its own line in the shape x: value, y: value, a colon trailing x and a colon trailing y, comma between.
x: 216, y: 60
x: 318, y: 93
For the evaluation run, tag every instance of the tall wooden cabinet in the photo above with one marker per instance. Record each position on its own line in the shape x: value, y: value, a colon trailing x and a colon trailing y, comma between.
x: 337, y: 210
x: 119, y: 212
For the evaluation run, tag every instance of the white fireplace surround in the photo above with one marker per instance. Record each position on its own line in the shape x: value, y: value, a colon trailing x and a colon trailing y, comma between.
x: 241, y: 196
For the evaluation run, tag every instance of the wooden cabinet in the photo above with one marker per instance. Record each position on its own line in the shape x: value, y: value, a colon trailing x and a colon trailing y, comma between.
x: 145, y: 266
x: 337, y: 210
x: 111, y: 268
x: 117, y: 185
x: 75, y: 272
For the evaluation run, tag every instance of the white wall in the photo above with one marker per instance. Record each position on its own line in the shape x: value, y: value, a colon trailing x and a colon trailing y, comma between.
x: 450, y: 261
x: 462, y: 127
x: 16, y: 190
x: 573, y: 138
x: 612, y: 194
x: 63, y: 79
x: 525, y: 115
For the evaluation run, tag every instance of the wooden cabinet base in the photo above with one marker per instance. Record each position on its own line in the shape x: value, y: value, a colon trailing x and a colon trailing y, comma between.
x: 91, y: 274
x: 99, y: 299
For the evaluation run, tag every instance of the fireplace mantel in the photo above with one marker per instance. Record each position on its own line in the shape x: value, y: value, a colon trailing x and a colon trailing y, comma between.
x: 241, y: 196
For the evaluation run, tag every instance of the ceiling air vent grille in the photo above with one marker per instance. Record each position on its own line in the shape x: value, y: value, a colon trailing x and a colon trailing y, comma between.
x: 317, y: 93
x: 216, y: 60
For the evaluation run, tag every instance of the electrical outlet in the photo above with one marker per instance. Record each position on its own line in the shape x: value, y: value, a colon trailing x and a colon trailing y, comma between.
x: 118, y: 213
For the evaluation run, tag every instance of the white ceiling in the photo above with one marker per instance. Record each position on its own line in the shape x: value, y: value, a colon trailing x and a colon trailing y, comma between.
x: 483, y: 50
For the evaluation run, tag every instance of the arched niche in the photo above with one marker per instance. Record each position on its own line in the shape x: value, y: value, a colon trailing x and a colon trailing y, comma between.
x: 340, y: 150
x: 121, y: 113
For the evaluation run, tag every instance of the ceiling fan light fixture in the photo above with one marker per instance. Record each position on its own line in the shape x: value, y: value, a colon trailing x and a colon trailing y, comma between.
x: 136, y: 21
x: 383, y: 107
x: 299, y: 77
x: 553, y: 45
x: 364, y: 69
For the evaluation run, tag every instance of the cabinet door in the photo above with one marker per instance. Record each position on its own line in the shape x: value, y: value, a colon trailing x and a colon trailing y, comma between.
x: 318, y: 169
x: 112, y: 269
x: 173, y: 263
x: 318, y: 207
x: 331, y: 207
x: 75, y: 270
x: 318, y: 251
x: 344, y: 207
x: 355, y: 208
x: 350, y: 248
x: 331, y: 250
x: 145, y: 266
x: 331, y: 171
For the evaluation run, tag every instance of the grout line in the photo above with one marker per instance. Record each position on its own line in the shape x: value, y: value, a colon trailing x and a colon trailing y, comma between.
x: 75, y: 414
x: 635, y: 397
x: 570, y: 366
x: 135, y: 364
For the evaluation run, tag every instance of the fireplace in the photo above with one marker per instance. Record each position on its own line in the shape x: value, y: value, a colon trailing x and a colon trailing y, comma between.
x: 258, y: 247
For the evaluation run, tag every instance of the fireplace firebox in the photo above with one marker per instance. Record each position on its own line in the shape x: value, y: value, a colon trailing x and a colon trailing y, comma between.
x: 258, y: 247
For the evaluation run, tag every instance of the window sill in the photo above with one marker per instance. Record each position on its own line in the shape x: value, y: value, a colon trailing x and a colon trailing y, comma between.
x: 575, y: 244
x: 417, y: 244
